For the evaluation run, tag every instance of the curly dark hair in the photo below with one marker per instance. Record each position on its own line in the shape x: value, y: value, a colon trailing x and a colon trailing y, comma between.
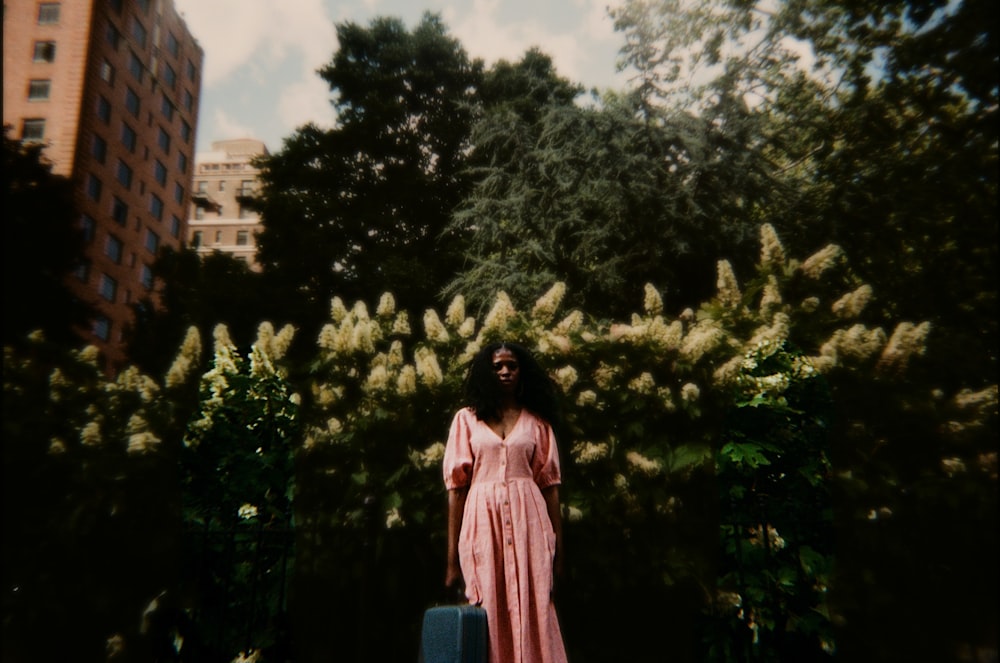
x: 537, y: 391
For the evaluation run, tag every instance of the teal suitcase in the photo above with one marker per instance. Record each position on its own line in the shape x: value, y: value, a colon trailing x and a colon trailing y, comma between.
x: 454, y: 634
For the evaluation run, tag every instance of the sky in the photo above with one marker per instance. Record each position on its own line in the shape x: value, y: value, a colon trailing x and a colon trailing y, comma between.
x: 261, y: 56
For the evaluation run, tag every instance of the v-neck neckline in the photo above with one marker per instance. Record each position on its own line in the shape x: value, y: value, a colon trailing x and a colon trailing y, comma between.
x: 503, y: 438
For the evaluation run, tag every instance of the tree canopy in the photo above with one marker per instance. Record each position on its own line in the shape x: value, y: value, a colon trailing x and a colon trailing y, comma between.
x: 360, y: 208
x: 878, y: 122
x: 38, y: 211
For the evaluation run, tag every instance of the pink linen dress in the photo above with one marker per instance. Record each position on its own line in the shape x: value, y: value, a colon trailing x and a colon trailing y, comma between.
x: 506, y: 545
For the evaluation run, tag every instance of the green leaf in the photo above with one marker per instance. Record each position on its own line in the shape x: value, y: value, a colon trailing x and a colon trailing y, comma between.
x: 745, y: 454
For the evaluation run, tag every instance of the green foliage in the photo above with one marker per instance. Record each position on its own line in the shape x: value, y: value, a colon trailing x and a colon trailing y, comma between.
x: 702, y: 455
x: 198, y: 292
x: 90, y: 506
x: 237, y: 489
x: 38, y: 210
x: 878, y: 122
x: 359, y: 209
x: 777, y: 549
x: 604, y: 201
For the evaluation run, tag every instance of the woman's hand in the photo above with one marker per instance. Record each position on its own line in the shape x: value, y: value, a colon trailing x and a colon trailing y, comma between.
x: 453, y: 576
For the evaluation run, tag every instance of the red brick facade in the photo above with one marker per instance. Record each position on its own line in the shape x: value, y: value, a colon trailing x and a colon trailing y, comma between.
x: 116, y: 83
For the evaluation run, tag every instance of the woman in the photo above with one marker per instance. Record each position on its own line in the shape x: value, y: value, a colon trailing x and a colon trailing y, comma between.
x: 501, y: 468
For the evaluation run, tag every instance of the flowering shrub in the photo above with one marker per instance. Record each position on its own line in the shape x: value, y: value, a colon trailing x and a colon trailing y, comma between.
x: 698, y: 452
x: 237, y: 482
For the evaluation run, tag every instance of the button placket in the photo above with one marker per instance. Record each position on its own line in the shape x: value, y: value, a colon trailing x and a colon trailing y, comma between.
x: 505, y: 507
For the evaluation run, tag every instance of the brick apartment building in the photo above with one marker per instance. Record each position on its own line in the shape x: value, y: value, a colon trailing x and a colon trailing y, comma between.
x: 111, y: 87
x: 223, y: 215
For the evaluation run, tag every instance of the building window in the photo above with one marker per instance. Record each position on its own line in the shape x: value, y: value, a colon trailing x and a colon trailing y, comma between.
x: 116, y: 5
x: 108, y: 288
x: 175, y: 225
x: 128, y: 137
x: 33, y: 129
x: 132, y: 102
x: 45, y: 51
x: 103, y: 109
x: 93, y: 187
x: 178, y: 193
x: 119, y: 211
x: 48, y: 13
x: 182, y: 162
x: 82, y: 271
x: 99, y: 149
x: 114, y: 249
x: 87, y: 227
x: 170, y: 76
x: 218, y: 237
x: 172, y: 46
x: 135, y: 66
x: 188, y: 100
x: 102, y: 327
x: 185, y: 131
x: 124, y: 174
x: 160, y: 172
x: 156, y: 207
x: 168, y: 109
x: 245, y: 212
x: 146, y: 276
x: 144, y: 6
x: 152, y: 241
x: 242, y: 237
x: 202, y: 186
x: 199, y: 212
x: 139, y: 32
x: 191, y: 72
x: 163, y: 140
x: 38, y: 89
x: 107, y: 73
x: 112, y: 36
x: 196, y: 239
x: 222, y: 185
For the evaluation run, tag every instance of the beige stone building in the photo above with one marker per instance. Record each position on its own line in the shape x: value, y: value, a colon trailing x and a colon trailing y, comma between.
x: 223, y: 217
x: 111, y: 88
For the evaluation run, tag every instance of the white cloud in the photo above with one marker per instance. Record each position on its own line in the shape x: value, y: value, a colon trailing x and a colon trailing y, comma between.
x: 583, y: 46
x: 228, y: 127
x: 272, y: 50
x: 261, y: 56
x: 306, y: 101
x: 236, y: 33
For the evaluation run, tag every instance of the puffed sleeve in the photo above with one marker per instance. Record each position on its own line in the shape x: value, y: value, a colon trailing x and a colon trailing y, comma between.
x: 458, y: 457
x: 545, y: 461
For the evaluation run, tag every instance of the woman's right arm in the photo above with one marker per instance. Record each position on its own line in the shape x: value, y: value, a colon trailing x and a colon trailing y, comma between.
x: 456, y: 508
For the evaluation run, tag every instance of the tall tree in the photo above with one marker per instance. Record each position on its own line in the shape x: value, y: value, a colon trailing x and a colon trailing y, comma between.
x: 42, y: 244
x: 605, y: 199
x: 359, y: 209
x: 878, y: 121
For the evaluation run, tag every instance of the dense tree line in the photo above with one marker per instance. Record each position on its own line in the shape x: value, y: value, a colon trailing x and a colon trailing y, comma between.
x: 443, y: 175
